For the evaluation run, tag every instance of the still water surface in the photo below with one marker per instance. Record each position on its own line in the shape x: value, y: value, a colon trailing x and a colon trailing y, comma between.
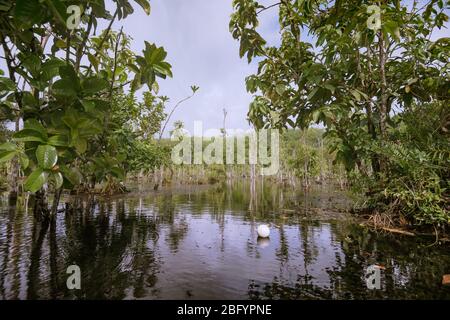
x: 201, y: 243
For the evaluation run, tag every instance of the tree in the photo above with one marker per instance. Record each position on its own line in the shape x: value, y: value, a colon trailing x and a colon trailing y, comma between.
x: 367, y: 60
x: 64, y: 94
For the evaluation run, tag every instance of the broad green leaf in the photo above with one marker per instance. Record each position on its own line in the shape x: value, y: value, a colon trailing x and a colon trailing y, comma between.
x: 81, y: 145
x: 8, y: 146
x: 65, y: 88
x: 280, y: 89
x: 33, y: 124
x: 28, y: 12
x: 356, y: 94
x: 72, y: 175
x: 68, y: 72
x: 6, y: 156
x: 29, y: 100
x: 155, y: 87
x: 391, y: 27
x: 50, y: 68
x: 329, y: 87
x: 7, y: 84
x: 133, y: 68
x: 28, y: 135
x: 32, y: 63
x: 71, y: 118
x: 36, y: 180
x: 158, y: 55
x: 24, y: 161
x: 5, y: 6
x: 58, y: 179
x: 164, y: 68
x: 94, y: 85
x: 118, y: 172
x: 47, y: 156
x: 58, y: 141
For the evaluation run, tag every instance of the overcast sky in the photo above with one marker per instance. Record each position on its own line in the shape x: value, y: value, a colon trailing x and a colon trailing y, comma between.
x: 202, y: 52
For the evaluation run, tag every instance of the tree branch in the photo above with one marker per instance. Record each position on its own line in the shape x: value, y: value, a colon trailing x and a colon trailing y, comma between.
x: 171, y: 113
x: 267, y: 8
x: 80, y: 49
x: 100, y: 45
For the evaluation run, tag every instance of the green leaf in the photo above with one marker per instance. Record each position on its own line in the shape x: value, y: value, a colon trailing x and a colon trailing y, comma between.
x: 133, y: 68
x: 118, y: 172
x: 158, y: 55
x: 32, y: 63
x: 72, y: 175
x: 391, y: 27
x: 81, y: 145
x: 313, y: 93
x: 50, y: 68
x: 6, y: 156
x: 24, y: 161
x: 145, y: 5
x: 29, y: 100
x: 164, y: 68
x: 5, y: 6
x: 8, y: 146
x: 28, y: 12
x: 280, y: 89
x: 64, y: 88
x: 47, y: 156
x: 59, y: 141
x: 71, y: 118
x: 68, y: 72
x: 36, y: 180
x: 329, y: 87
x: 94, y: 61
x: 356, y: 94
x: 58, y: 179
x: 7, y: 84
x: 94, y: 85
x: 28, y: 135
x: 34, y: 124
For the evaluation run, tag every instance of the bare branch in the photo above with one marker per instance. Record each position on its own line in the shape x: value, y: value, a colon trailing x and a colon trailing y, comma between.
x: 267, y: 8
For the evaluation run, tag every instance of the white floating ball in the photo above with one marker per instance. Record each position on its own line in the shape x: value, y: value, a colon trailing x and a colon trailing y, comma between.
x: 263, y: 231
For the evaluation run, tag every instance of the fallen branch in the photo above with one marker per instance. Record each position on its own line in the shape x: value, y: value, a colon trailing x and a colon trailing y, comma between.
x: 392, y: 230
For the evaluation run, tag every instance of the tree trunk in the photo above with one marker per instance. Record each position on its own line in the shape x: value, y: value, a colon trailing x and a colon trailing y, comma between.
x: 56, y: 201
x: 384, y: 95
x: 40, y: 209
x: 14, y: 175
x: 373, y: 133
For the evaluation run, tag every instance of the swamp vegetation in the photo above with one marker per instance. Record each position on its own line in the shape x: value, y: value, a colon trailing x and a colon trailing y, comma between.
x: 86, y: 173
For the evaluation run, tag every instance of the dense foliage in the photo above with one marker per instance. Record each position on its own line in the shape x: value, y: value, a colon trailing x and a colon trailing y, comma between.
x: 377, y: 81
x: 63, y: 82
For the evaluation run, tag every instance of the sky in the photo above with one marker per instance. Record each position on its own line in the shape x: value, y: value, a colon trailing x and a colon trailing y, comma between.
x: 202, y: 52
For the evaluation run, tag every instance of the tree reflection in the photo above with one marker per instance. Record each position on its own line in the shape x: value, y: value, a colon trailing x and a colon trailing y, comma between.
x: 129, y: 246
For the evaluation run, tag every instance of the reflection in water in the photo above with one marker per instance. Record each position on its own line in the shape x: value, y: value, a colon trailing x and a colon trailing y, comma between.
x: 263, y: 242
x: 202, y: 244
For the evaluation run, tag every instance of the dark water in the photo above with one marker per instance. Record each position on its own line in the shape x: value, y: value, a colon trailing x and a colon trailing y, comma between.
x: 202, y: 244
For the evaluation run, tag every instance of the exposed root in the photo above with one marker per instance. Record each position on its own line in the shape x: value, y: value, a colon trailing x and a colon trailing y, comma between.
x: 381, y: 220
